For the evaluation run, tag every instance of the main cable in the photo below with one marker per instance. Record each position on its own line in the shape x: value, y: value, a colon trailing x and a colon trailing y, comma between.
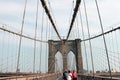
x: 73, y: 17
x: 107, y: 32
x: 49, y: 16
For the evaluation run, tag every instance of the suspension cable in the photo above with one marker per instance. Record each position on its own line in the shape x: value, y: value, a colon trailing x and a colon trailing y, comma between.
x: 2, y: 54
x: 104, y: 38
x: 8, y: 51
x: 19, y: 50
x: 77, y: 26
x: 4, y: 29
x: 119, y: 56
x: 35, y: 36
x: 118, y: 28
x: 73, y: 17
x: 117, y: 47
x: 83, y: 38
x: 113, y: 47
x: 89, y: 37
x: 41, y: 39
x: 49, y: 16
x: 49, y: 35
x: 46, y: 44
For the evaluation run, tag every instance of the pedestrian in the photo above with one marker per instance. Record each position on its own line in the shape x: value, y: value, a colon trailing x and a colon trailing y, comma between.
x: 65, y: 73
x: 74, y: 75
x: 69, y: 77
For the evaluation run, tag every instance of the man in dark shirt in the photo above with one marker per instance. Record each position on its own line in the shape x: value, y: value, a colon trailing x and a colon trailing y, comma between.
x: 65, y: 75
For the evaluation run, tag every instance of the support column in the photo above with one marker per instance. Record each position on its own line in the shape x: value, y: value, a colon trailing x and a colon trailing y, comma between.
x: 79, y: 62
x: 51, y: 58
x: 64, y: 61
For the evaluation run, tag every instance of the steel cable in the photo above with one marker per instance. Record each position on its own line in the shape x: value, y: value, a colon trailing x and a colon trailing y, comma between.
x: 84, y: 38
x: 73, y: 17
x: 103, y: 38
x: 91, y: 52
x: 20, y: 40
x: 36, y: 25
x: 41, y: 43
x: 49, y: 16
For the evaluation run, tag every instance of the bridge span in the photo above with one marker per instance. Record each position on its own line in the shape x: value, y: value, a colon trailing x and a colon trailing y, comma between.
x: 35, y: 50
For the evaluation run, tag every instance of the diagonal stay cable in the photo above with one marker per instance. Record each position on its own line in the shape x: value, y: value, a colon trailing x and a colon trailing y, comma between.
x: 49, y: 16
x: 73, y: 17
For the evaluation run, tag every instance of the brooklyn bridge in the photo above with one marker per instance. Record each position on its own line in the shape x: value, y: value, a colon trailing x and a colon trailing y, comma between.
x: 39, y: 39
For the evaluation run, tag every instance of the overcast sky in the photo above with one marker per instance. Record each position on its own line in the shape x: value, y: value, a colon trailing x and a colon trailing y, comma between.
x: 11, y: 12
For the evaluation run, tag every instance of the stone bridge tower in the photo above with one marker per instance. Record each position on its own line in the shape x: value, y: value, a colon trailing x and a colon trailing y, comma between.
x: 65, y: 47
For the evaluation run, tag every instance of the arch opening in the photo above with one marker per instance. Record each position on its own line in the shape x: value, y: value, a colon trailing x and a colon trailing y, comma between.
x: 71, y: 60
x: 58, y: 62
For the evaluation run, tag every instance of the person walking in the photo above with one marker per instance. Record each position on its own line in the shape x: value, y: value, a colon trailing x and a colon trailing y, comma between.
x: 74, y: 75
x: 69, y: 77
x: 65, y: 74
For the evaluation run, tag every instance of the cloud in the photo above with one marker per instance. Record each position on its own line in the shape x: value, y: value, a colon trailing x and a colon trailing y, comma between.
x: 10, y: 8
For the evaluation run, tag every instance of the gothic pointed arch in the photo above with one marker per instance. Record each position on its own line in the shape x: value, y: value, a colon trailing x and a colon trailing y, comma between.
x: 59, y: 62
x: 71, y: 60
x: 65, y: 47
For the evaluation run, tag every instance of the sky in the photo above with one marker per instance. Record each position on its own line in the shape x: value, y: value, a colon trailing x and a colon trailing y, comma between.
x: 11, y: 14
x: 61, y: 12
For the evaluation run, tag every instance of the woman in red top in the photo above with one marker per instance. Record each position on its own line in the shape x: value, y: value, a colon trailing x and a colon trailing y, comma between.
x: 74, y: 75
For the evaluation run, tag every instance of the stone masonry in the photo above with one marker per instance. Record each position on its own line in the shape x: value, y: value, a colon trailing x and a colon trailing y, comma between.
x: 65, y: 47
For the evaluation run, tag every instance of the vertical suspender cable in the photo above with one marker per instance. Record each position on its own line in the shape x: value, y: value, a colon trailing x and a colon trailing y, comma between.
x: 8, y: 51
x: 46, y: 44
x: 89, y: 37
x: 49, y: 35
x: 117, y: 48
x: 119, y: 56
x: 77, y: 27
x: 35, y: 36
x: 113, y: 48
x: 104, y: 39
x: 72, y: 8
x: 18, y: 59
x: 84, y: 38
x: 41, y: 42
x: 2, y: 54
